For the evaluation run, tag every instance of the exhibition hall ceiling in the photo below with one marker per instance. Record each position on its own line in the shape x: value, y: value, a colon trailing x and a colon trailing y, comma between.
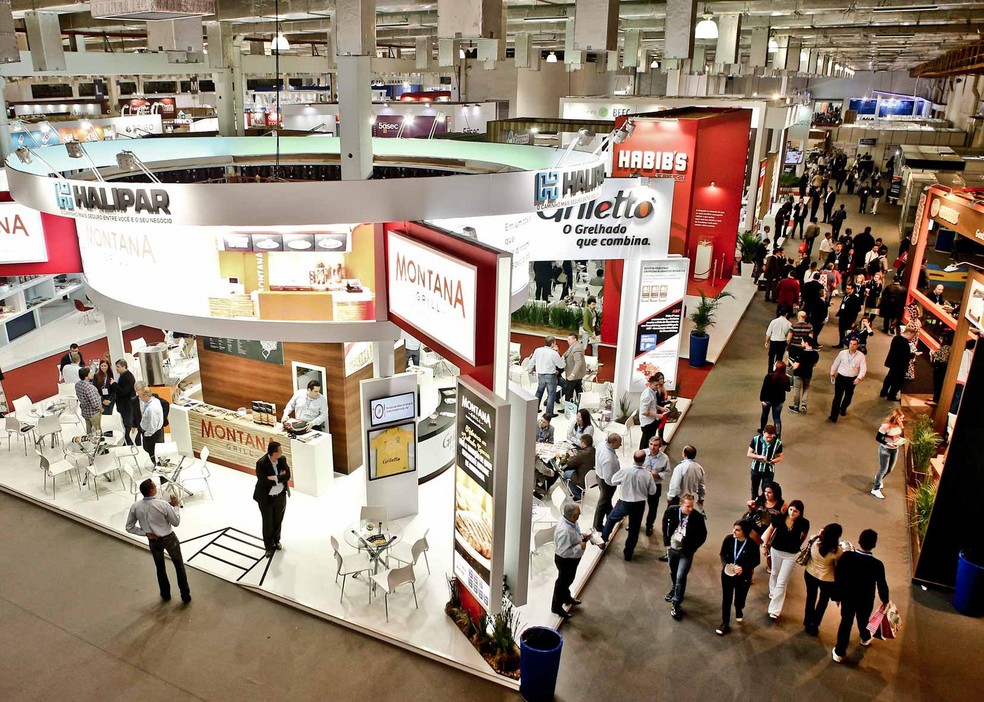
x: 861, y: 34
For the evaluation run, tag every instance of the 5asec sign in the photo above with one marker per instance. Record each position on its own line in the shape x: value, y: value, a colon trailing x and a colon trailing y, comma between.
x: 562, y: 187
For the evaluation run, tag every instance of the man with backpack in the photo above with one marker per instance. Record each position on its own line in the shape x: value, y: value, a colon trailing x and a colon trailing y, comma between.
x: 153, y: 417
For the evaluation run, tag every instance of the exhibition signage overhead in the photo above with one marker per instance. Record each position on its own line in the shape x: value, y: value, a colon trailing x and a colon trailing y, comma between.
x: 625, y: 220
x: 21, y: 235
x: 479, y: 492
x: 433, y: 292
x: 561, y: 187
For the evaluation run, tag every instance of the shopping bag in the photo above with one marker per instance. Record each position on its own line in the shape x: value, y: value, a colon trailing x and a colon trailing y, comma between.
x: 875, y: 623
x: 891, y: 623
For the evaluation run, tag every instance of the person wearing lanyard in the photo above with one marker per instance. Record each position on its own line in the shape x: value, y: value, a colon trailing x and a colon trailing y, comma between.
x: 569, y: 545
x: 684, y: 531
x: 308, y: 405
x: 658, y: 465
x: 606, y: 466
x: 847, y: 371
x: 156, y: 520
x: 270, y: 493
x: 637, y: 485
x: 738, y: 562
x: 151, y: 419
x: 765, y: 450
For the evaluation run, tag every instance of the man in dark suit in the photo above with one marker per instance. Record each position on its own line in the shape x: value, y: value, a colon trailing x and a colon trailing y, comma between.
x: 684, y: 531
x: 542, y: 276
x: 897, y: 363
x: 847, y: 315
x: 67, y: 358
x: 828, y: 204
x: 857, y: 575
x: 270, y: 493
x: 125, y: 398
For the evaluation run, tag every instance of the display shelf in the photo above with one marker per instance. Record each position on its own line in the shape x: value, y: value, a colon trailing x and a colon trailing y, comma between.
x: 13, y: 324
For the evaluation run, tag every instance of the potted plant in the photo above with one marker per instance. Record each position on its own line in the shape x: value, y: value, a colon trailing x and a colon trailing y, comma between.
x: 703, y: 319
x: 923, y: 443
x: 748, y: 244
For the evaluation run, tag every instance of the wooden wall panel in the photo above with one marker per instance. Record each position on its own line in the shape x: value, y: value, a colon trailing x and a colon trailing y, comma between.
x: 233, y: 382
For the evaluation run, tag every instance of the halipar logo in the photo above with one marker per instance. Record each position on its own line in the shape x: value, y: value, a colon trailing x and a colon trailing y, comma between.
x: 558, y: 188
x: 116, y: 200
x: 63, y: 195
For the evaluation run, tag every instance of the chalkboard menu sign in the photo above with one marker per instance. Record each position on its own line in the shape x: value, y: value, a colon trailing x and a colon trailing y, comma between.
x: 265, y: 351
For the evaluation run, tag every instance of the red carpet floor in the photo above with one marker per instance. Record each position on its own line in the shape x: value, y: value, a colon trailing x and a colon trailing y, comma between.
x: 37, y: 380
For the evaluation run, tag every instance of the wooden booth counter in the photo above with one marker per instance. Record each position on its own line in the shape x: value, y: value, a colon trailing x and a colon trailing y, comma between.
x: 238, y: 442
x: 308, y: 305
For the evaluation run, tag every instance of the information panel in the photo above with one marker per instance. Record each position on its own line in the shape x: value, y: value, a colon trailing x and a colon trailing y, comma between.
x: 21, y: 235
x: 482, y: 424
x: 663, y: 285
x: 266, y: 351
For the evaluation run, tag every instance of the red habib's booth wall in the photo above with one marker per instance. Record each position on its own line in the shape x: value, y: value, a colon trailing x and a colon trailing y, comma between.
x: 701, y: 146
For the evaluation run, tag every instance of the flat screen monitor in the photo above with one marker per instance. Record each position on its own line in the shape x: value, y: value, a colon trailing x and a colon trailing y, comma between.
x: 395, y: 408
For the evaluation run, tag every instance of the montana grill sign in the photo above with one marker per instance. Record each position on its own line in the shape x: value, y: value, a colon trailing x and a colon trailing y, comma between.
x: 560, y: 188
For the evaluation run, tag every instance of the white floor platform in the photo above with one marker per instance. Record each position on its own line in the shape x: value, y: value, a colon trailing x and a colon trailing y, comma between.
x: 729, y: 313
x: 302, y: 575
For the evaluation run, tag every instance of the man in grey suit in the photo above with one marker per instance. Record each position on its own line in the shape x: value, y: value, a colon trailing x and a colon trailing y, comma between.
x: 575, y: 368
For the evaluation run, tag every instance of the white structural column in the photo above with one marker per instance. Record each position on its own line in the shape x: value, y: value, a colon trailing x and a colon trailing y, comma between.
x: 793, y: 54
x: 45, y: 42
x: 469, y: 19
x: 572, y: 56
x: 680, y: 22
x: 779, y: 57
x: 355, y: 41
x: 383, y: 359
x: 729, y: 39
x: 114, y: 335
x: 6, y: 144
x: 595, y: 25
x: 759, y: 52
x: 228, y: 100
x: 630, y: 48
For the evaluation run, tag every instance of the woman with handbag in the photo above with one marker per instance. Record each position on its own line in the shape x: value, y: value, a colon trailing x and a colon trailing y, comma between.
x: 890, y: 438
x: 738, y: 562
x: 783, y: 541
x: 761, y: 511
x: 820, y: 556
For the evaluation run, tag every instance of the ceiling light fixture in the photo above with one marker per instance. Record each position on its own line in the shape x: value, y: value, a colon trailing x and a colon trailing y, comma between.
x: 558, y: 18
x: 129, y: 161
x: 773, y: 45
x: 903, y: 8
x: 25, y: 155
x: 706, y: 29
x: 654, y: 63
x: 77, y: 150
x: 280, y: 43
x: 552, y: 57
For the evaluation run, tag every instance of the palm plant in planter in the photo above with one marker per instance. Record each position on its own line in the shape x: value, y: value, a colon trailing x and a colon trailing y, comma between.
x: 703, y: 319
x: 747, y: 246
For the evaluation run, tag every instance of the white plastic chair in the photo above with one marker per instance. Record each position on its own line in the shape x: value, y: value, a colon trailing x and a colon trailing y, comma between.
x: 53, y: 468
x: 391, y: 579
x: 22, y: 407
x: 198, y: 471
x: 541, y: 537
x: 350, y: 564
x: 590, y: 480
x: 16, y: 427
x: 104, y: 464
x: 419, y: 547
x: 589, y: 401
x: 113, y: 423
x: 48, y: 426
x: 623, y: 430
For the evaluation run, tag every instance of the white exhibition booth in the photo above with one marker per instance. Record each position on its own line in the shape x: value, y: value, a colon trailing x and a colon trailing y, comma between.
x: 152, y: 253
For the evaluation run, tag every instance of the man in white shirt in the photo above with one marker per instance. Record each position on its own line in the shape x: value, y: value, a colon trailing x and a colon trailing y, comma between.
x: 308, y: 405
x: 688, y: 476
x: 606, y: 466
x: 847, y: 371
x: 569, y: 545
x: 547, y: 363
x: 776, y: 336
x: 637, y: 485
x: 70, y: 371
x: 151, y: 419
x: 650, y: 411
x: 658, y: 464
x: 826, y: 246
x: 156, y: 520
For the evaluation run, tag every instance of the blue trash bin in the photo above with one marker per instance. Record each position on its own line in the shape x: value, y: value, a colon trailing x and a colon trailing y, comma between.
x: 969, y: 595
x: 539, y: 663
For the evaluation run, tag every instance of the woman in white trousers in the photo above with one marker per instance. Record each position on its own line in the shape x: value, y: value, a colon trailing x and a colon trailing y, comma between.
x: 783, y: 540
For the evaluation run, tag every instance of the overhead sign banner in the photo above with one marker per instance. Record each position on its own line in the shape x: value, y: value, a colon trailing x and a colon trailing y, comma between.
x: 659, y: 328
x: 482, y: 424
x: 625, y: 220
x: 21, y: 235
x: 432, y: 292
x: 560, y: 187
